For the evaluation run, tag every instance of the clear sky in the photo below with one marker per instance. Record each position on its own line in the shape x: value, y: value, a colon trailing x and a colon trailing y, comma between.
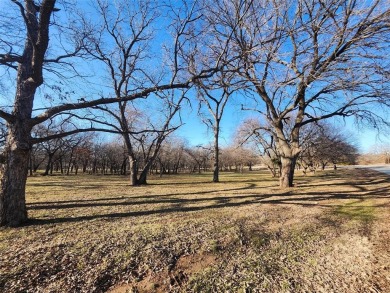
x: 197, y: 133
x: 368, y: 139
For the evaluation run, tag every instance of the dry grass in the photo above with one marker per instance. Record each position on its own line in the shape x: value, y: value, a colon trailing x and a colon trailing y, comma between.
x: 184, y: 234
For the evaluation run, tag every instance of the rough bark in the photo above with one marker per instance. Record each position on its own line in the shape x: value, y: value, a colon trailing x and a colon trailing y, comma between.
x: 13, y: 210
x: 287, y: 172
x: 143, y: 176
x: 133, y: 171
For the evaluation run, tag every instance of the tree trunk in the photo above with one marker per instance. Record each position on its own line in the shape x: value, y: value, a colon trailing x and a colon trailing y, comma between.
x: 31, y: 167
x: 13, y: 210
x: 216, y: 153
x: 48, y: 165
x: 287, y: 172
x: 143, y: 176
x: 161, y: 169
x: 133, y: 171
x: 124, y: 167
x: 61, y: 166
x: 94, y: 167
x: 85, y: 164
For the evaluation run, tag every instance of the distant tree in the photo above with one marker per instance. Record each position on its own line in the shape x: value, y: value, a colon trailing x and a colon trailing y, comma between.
x: 58, y: 149
x: 122, y: 42
x: 75, y: 153
x: 327, y: 144
x: 200, y: 157
x: 37, y: 157
x: 379, y: 153
x: 83, y: 155
x: 172, y: 156
x: 227, y: 161
x: 259, y: 138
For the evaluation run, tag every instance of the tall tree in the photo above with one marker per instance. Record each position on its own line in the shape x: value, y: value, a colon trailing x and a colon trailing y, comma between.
x: 29, y: 78
x: 308, y: 61
x: 29, y: 62
x: 214, y: 97
x: 122, y: 42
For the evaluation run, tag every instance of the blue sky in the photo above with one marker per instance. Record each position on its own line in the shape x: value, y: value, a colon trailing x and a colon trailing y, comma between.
x: 194, y: 130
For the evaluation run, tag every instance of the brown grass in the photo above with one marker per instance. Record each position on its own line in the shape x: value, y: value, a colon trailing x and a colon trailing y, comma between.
x: 330, y: 233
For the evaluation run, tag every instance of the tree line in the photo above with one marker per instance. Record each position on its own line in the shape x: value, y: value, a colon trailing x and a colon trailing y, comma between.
x: 85, y: 154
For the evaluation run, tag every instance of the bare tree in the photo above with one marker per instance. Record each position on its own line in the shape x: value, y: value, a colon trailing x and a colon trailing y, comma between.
x: 214, y: 97
x: 29, y: 78
x: 324, y: 144
x: 258, y: 137
x: 122, y: 43
x: 200, y: 156
x: 28, y: 63
x: 171, y: 158
x: 378, y: 153
x: 308, y: 61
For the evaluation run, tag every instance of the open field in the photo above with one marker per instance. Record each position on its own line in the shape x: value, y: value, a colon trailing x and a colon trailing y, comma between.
x: 330, y: 233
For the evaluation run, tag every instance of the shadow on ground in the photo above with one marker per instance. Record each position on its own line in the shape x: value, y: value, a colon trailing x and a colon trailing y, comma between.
x: 177, y: 203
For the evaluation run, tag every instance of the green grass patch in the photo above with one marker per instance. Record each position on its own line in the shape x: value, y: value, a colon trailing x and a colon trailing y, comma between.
x: 360, y: 210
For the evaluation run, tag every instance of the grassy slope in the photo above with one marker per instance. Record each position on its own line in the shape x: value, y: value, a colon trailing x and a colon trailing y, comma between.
x: 185, y: 234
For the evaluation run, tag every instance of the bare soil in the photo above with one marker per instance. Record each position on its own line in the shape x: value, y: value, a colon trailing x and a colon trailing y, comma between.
x: 330, y: 233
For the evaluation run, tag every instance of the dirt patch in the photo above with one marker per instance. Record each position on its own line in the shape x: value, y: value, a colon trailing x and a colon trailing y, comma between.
x: 186, y: 266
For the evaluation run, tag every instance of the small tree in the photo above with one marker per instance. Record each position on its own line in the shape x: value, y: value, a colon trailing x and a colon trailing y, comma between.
x: 214, y: 97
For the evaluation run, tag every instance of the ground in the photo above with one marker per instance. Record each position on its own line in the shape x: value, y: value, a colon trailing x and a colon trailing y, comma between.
x: 182, y: 233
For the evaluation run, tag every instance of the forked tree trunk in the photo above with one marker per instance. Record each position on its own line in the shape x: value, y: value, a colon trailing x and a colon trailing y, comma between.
x: 287, y: 172
x: 142, y: 180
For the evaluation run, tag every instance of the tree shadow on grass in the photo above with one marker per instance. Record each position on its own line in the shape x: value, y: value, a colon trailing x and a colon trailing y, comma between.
x: 183, y: 205
x: 177, y: 204
x: 73, y: 186
x: 130, y: 199
x: 210, y: 182
x: 359, y: 184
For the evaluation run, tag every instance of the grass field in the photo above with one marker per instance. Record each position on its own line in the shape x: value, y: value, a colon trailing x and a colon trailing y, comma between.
x: 330, y: 233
